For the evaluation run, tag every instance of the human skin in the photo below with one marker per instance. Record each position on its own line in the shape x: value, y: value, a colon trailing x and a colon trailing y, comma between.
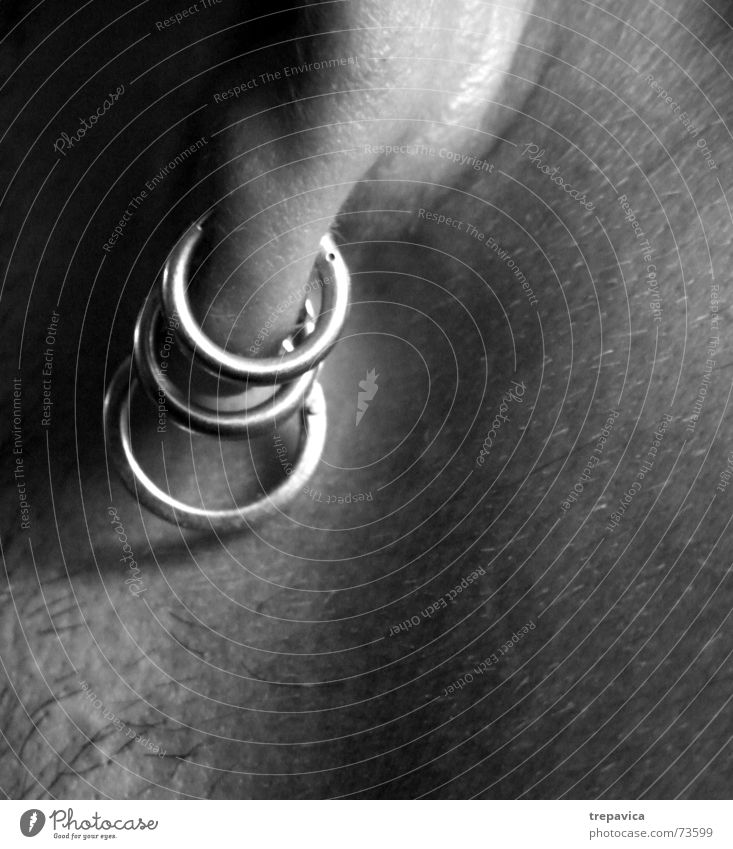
x: 269, y: 663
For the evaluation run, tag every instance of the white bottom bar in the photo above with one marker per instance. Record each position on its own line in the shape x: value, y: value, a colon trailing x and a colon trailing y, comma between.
x: 366, y: 825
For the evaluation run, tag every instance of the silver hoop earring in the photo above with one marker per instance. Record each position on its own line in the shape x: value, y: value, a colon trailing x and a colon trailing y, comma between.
x: 292, y: 377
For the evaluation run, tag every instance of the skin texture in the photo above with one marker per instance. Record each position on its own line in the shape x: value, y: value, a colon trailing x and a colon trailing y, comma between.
x: 260, y: 664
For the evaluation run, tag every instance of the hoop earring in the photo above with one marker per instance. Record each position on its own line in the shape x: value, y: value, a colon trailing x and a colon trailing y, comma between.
x: 292, y: 376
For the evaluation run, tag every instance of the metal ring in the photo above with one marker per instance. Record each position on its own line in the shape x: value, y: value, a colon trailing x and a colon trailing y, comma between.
x: 160, y: 502
x: 291, y: 377
x: 192, y: 416
x: 266, y: 370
